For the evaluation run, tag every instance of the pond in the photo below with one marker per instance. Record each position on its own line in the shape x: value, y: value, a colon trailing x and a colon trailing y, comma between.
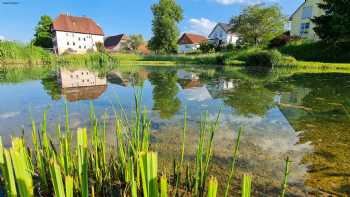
x: 301, y: 114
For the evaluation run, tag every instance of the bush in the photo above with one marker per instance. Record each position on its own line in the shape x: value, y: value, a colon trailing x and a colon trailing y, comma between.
x: 265, y: 59
x: 282, y: 40
x: 206, y: 47
x: 318, y: 51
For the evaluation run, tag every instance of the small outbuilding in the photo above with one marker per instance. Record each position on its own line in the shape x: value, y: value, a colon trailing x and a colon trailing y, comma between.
x: 115, y: 43
x: 190, y: 42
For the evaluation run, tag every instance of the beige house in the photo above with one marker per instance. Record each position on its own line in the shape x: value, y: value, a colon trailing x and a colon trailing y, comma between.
x: 301, y: 24
x: 75, y: 34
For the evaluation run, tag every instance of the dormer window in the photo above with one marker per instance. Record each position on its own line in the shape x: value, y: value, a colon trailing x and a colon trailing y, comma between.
x: 307, y: 12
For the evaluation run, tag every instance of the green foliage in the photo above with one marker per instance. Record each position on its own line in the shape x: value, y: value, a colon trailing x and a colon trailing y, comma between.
x: 318, y: 51
x: 43, y: 34
x: 17, y: 53
x: 334, y: 25
x: 206, y: 47
x: 135, y: 41
x: 166, y: 15
x: 258, y: 24
x: 100, y: 47
x: 213, y: 187
x: 264, y: 59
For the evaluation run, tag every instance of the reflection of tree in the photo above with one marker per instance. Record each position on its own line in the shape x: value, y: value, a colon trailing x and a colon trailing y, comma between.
x: 249, y: 99
x: 52, y: 87
x: 164, y: 93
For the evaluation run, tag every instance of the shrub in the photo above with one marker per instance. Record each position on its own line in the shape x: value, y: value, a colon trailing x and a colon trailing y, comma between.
x: 206, y: 47
x: 265, y: 59
x: 282, y: 40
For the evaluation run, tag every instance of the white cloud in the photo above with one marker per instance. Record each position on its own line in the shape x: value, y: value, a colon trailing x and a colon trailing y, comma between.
x: 248, y: 2
x: 201, y: 26
x: 2, y: 37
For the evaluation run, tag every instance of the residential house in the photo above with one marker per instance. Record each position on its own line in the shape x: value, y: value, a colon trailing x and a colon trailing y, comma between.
x: 301, y: 24
x: 115, y: 43
x: 74, y: 34
x: 190, y: 42
x: 223, y: 35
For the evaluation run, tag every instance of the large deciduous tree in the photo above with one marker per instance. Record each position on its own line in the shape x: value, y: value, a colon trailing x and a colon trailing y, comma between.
x: 259, y: 24
x: 43, y: 33
x: 166, y: 15
x: 334, y: 25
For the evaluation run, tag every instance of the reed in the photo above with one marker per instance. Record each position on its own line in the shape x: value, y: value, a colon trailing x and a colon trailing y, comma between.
x: 246, y: 186
x: 285, y: 179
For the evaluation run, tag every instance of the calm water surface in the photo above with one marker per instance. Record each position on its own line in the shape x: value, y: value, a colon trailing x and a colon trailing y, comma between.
x: 284, y: 113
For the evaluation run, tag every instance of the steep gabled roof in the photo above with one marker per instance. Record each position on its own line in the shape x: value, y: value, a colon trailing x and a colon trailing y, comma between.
x: 225, y: 26
x: 76, y: 24
x: 188, y: 38
x: 291, y: 16
x: 113, y: 41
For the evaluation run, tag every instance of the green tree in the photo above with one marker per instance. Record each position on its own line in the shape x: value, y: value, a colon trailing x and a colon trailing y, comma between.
x: 166, y: 15
x: 258, y: 24
x: 135, y: 41
x: 43, y: 33
x: 334, y: 25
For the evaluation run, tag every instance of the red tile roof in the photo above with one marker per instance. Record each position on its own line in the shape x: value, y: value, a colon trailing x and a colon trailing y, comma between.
x: 188, y: 38
x: 76, y: 24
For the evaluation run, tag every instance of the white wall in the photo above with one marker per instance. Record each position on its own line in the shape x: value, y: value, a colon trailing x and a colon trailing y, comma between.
x: 219, y: 34
x: 78, y: 42
x: 186, y: 48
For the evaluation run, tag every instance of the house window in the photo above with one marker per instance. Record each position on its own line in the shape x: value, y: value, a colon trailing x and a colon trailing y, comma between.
x: 79, y: 38
x: 84, y: 47
x: 79, y: 47
x: 304, y: 28
x: 73, y: 43
x: 67, y: 34
x: 84, y: 39
x: 307, y: 12
x: 68, y: 43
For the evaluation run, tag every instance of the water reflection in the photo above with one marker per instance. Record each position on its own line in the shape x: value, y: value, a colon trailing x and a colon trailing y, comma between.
x: 305, y: 116
x: 164, y: 93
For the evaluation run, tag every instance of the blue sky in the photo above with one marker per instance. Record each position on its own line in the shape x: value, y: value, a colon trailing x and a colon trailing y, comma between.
x: 17, y: 21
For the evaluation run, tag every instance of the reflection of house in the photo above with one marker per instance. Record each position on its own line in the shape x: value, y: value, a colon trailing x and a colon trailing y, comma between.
x: 222, y: 35
x: 75, y: 34
x: 227, y: 84
x: 83, y: 93
x: 80, y: 78
x: 190, y: 42
x: 116, y: 77
x: 187, y: 84
x: 115, y: 43
x: 301, y: 24
x: 182, y: 74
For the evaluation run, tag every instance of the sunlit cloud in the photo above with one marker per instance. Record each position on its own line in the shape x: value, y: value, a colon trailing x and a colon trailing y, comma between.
x: 201, y: 26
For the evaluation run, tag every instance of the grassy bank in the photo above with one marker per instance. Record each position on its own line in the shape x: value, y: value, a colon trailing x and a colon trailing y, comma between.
x: 318, y: 51
x: 84, y: 164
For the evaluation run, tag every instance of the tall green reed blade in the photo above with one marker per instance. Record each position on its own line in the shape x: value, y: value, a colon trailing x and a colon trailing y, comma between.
x: 149, y: 167
x: 246, y: 186
x: 56, y: 179
x: 22, y: 168
x: 69, y: 186
x: 163, y: 186
x: 285, y: 179
x: 83, y: 161
x: 233, y: 164
x: 121, y: 149
x: 8, y: 173
x: 212, y: 187
x: 180, y: 167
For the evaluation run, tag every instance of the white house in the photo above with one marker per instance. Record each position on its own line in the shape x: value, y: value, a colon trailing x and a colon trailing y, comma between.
x: 190, y: 42
x: 73, y: 34
x: 222, y: 34
x: 301, y: 24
